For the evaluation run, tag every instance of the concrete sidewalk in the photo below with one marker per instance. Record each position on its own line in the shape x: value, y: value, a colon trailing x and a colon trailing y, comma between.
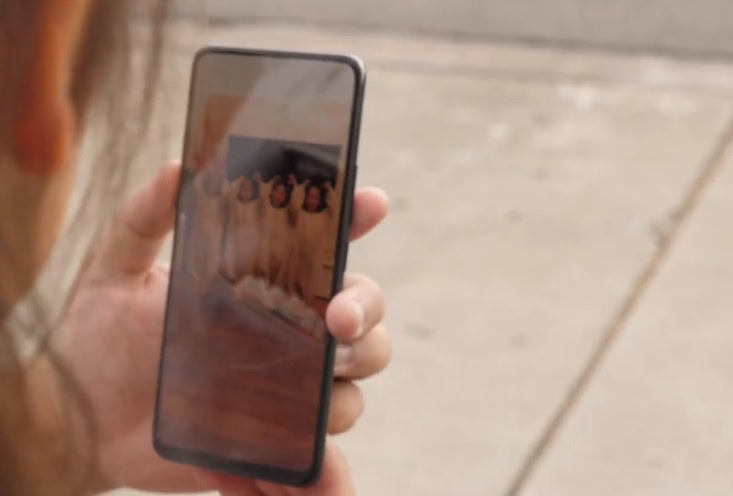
x: 677, y: 26
x: 557, y: 266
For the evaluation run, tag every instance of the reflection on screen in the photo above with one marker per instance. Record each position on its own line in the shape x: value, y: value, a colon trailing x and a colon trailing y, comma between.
x: 252, y: 275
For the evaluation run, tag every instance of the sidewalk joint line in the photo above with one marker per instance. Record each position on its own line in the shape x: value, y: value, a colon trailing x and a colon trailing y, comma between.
x: 543, y: 78
x: 501, y: 74
x: 711, y: 167
x: 474, y: 36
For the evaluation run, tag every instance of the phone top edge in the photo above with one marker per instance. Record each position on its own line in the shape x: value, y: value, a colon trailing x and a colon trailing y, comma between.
x: 353, y: 61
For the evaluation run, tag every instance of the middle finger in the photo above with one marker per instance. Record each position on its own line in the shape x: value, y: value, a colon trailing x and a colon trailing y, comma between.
x: 356, y: 309
x: 364, y: 358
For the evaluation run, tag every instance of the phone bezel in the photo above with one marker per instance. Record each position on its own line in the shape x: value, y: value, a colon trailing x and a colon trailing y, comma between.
x: 254, y: 470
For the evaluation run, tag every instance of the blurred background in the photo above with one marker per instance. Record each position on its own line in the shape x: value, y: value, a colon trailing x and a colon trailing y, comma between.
x: 558, y: 264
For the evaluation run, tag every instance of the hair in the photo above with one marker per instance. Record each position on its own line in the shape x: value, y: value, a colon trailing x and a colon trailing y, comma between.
x: 103, y: 64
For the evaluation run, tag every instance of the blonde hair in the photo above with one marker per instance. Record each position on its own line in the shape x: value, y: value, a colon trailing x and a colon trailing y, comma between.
x: 29, y: 457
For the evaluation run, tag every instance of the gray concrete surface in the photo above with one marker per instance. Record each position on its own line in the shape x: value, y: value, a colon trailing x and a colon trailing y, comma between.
x: 533, y: 193
x: 657, y: 419
x: 678, y: 26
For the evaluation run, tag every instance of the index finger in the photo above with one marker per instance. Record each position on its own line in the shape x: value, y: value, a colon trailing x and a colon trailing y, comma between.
x: 370, y: 208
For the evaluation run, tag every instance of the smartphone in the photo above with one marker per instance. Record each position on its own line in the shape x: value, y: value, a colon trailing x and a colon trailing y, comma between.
x: 263, y: 217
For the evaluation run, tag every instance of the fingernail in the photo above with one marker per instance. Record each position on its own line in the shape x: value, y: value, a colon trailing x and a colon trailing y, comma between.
x: 344, y: 356
x: 358, y: 312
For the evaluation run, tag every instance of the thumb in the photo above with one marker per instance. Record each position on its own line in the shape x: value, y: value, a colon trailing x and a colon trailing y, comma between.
x: 136, y: 235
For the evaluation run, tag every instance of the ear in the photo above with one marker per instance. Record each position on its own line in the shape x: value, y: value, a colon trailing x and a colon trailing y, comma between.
x: 45, y: 120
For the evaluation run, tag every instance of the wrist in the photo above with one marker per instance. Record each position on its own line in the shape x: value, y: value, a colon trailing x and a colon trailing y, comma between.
x: 62, y: 434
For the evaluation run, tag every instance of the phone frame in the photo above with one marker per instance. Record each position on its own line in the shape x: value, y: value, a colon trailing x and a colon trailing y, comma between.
x: 254, y: 470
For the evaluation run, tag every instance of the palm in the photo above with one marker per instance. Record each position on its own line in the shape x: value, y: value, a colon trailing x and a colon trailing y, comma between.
x: 113, y: 335
x: 114, y: 346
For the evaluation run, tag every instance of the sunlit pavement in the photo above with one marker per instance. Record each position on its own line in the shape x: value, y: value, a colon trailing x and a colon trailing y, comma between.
x: 557, y: 265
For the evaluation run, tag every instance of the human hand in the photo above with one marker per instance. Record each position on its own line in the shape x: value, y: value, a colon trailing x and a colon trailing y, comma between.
x: 112, y: 333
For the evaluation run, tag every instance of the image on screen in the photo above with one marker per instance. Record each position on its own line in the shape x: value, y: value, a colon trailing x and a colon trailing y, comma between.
x: 253, y: 272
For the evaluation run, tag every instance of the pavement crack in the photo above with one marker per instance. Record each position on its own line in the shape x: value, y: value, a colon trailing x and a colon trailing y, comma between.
x: 711, y: 167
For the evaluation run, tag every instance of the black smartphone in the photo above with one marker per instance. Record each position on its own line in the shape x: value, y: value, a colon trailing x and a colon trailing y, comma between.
x: 264, y: 211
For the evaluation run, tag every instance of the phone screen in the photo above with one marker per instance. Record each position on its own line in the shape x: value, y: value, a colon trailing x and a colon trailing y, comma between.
x: 255, y: 259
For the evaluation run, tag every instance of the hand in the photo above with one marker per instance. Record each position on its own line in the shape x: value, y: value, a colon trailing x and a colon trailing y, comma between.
x: 292, y: 179
x: 112, y: 333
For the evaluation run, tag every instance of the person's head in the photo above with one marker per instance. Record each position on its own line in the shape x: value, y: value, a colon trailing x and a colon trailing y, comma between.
x: 279, y: 196
x: 314, y: 198
x: 58, y: 57
x: 246, y: 191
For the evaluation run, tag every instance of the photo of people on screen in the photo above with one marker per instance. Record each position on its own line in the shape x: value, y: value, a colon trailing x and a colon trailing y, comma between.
x: 267, y: 219
x: 253, y: 274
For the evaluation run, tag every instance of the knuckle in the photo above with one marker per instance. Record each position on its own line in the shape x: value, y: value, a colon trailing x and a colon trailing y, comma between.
x: 347, y: 407
x: 383, y: 357
x: 378, y: 352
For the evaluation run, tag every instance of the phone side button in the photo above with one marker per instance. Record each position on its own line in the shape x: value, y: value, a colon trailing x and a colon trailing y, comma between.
x: 345, y: 259
x: 351, y: 213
